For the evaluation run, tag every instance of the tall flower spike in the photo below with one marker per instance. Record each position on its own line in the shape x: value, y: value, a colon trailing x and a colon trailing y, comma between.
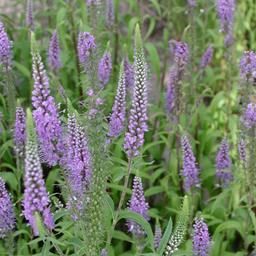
x: 129, y: 74
x: 110, y: 13
x: 104, y: 69
x: 20, y: 132
x: 170, y: 94
x: 201, y: 238
x: 223, y: 164
x: 139, y: 205
x: 206, y: 58
x: 248, y: 66
x: 5, y: 48
x: 181, y: 54
x: 117, y: 118
x: 191, y: 3
x: 134, y: 137
x: 36, y: 200
x: 7, y: 217
x: 242, y: 151
x: 29, y: 14
x: 249, y: 117
x: 54, y: 52
x: 157, y: 237
x: 190, y: 170
x: 104, y: 252
x: 48, y: 126
x: 85, y: 46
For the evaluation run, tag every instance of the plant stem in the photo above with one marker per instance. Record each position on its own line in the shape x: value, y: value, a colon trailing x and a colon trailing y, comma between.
x: 121, y: 201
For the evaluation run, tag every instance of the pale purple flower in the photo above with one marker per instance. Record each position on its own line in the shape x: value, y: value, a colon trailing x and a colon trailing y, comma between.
x: 181, y: 54
x: 248, y: 66
x: 170, y: 93
x: 5, y: 48
x: 7, y: 217
x: 54, y: 52
x: 36, y: 199
x: 249, y: 116
x: 139, y: 205
x: 90, y: 92
x: 134, y: 137
x: 85, y: 46
x: 117, y: 118
x: 20, y: 132
x: 110, y: 13
x: 191, y: 3
x: 104, y: 252
x: 29, y: 14
x: 90, y: 2
x: 48, y: 126
x: 129, y: 74
x: 157, y: 237
x: 201, y: 238
x: 223, y: 164
x: 206, y: 58
x: 242, y: 150
x: 99, y: 102
x: 190, y: 171
x: 104, y: 69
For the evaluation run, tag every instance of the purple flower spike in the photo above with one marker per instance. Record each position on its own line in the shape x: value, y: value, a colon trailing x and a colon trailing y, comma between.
x: 48, y: 126
x: 190, y: 170
x: 223, y: 164
x: 206, y: 58
x: 139, y: 205
x: 85, y: 46
x: 249, y: 117
x: 191, y: 3
x: 5, y: 49
x: 20, y: 132
x: 91, y: 2
x: 7, y: 217
x: 170, y: 94
x: 29, y: 15
x: 117, y: 118
x: 134, y: 137
x: 201, y: 238
x: 104, y: 252
x: 36, y: 200
x: 181, y: 55
x: 157, y: 237
x: 242, y: 151
x: 54, y: 52
x: 110, y: 13
x: 129, y: 74
x: 104, y: 69
x: 248, y: 66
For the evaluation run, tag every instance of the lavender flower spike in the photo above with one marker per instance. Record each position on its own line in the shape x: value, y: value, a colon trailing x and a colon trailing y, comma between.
x: 139, y: 205
x: 129, y: 74
x: 201, y: 238
x: 157, y: 237
x: 223, y: 164
x: 134, y: 137
x: 104, y: 252
x: 45, y: 114
x: 181, y: 54
x: 206, y: 58
x: 117, y: 118
x: 7, y: 217
x: 85, y: 46
x: 170, y: 94
x: 190, y: 170
x: 242, y: 151
x: 36, y: 200
x: 104, y: 69
x: 29, y: 15
x: 54, y: 52
x: 110, y: 13
x: 5, y: 49
x: 248, y: 66
x: 191, y: 3
x: 20, y: 132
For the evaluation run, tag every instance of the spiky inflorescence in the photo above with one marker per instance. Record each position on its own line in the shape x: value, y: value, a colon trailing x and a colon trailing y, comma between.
x: 181, y: 55
x: 201, y: 238
x: 7, y: 217
x: 191, y: 3
x: 104, y: 252
x: 223, y: 164
x: 36, y: 200
x: 139, y: 205
x: 20, y: 132
x: 206, y: 58
x: 110, y: 13
x: 226, y: 10
x: 129, y: 74
x: 242, y: 151
x: 117, y: 118
x: 249, y: 116
x: 170, y: 93
x: 248, y: 66
x: 90, y: 2
x: 179, y: 233
x: 85, y: 46
x: 48, y: 126
x: 134, y: 137
x: 104, y: 69
x: 5, y: 48
x: 29, y: 14
x: 190, y: 170
x: 54, y: 52
x: 157, y: 237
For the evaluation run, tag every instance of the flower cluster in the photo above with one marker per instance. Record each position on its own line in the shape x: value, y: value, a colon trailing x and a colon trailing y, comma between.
x: 201, y: 238
x: 190, y: 170
x: 129, y: 74
x: 5, y: 48
x: 139, y: 205
x: 249, y: 117
x: 104, y: 69
x: 110, y: 13
x: 20, y: 132
x: 242, y: 151
x: 54, y: 52
x: 206, y: 58
x: 117, y: 118
x: 170, y: 94
x: 181, y: 55
x: 248, y: 66
x: 157, y: 237
x: 191, y: 3
x: 7, y: 217
x: 48, y: 126
x: 29, y: 14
